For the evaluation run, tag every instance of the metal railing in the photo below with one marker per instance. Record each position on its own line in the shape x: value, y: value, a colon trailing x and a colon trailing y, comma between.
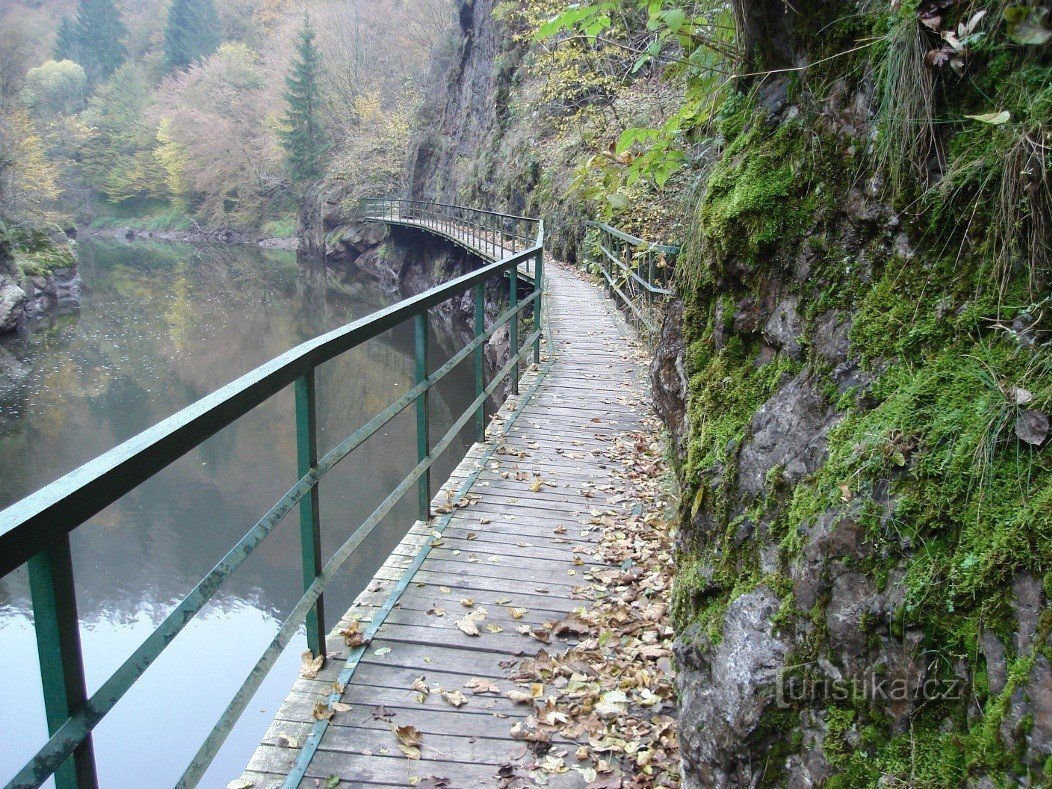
x: 36, y: 531
x: 487, y: 232
x: 637, y: 272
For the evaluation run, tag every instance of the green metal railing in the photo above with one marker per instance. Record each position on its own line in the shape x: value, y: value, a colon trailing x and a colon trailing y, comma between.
x: 637, y: 272
x: 487, y: 232
x: 36, y: 531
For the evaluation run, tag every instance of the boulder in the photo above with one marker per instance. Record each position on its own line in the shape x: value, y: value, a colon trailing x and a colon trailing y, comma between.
x: 12, y: 299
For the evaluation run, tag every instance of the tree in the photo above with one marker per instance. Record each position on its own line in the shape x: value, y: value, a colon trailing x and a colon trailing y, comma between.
x: 100, y: 35
x: 192, y: 32
x: 216, y: 138
x: 29, y: 183
x: 302, y: 136
x: 67, y: 42
x: 119, y: 158
x: 55, y: 88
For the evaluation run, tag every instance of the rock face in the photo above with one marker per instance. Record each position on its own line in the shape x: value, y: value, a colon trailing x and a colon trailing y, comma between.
x: 851, y: 603
x: 725, y: 690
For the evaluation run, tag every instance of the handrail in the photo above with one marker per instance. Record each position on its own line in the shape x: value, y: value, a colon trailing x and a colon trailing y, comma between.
x: 478, y: 230
x: 636, y: 241
x: 637, y: 272
x: 36, y: 530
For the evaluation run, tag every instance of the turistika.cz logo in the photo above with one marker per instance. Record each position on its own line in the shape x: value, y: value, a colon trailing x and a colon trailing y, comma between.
x: 808, y: 682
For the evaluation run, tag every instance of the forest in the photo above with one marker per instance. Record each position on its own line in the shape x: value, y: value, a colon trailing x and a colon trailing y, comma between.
x: 200, y: 114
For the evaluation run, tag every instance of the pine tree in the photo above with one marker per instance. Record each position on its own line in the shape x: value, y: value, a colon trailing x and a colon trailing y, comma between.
x: 192, y: 32
x: 67, y: 42
x: 302, y: 136
x: 100, y: 38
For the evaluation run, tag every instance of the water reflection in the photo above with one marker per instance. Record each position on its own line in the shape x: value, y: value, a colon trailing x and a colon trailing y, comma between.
x: 160, y: 327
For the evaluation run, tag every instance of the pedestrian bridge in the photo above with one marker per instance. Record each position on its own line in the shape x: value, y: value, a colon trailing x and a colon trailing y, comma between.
x: 504, y: 543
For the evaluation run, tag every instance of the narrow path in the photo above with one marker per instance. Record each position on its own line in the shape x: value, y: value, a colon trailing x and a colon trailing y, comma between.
x: 514, y: 550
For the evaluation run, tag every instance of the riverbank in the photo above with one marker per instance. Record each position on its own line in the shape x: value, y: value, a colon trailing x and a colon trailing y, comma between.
x: 38, y: 277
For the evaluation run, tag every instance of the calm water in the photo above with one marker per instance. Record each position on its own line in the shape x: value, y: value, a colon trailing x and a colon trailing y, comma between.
x: 159, y: 327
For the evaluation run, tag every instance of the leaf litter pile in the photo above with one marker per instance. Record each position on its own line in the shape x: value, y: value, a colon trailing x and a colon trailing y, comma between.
x: 603, y: 708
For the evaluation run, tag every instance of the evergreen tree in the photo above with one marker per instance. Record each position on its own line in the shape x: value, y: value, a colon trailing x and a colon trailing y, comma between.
x: 192, y: 32
x: 67, y: 43
x: 302, y: 136
x: 100, y: 37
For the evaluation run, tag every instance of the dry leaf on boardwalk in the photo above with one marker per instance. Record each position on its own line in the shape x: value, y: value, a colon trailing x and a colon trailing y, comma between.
x: 455, y: 697
x: 613, y: 692
x: 478, y: 685
x: 409, y: 740
x: 311, y: 665
x: 470, y: 623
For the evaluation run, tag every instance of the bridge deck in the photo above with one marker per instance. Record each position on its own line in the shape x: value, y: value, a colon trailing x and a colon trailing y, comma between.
x: 513, y: 544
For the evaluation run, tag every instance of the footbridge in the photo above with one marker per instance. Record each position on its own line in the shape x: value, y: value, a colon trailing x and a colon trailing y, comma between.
x: 414, y: 682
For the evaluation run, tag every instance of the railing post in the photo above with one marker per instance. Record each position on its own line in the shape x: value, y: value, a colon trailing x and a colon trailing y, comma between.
x: 513, y: 324
x: 538, y: 279
x: 61, y: 660
x: 310, y: 516
x: 480, y: 360
x: 423, y: 438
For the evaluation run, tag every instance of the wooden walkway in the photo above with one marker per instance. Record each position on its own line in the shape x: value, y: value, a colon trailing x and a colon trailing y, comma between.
x: 513, y: 548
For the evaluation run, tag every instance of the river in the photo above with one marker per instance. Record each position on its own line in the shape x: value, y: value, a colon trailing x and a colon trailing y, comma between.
x: 159, y: 327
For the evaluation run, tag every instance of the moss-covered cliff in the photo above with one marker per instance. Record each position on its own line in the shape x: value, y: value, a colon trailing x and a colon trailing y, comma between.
x: 866, y: 539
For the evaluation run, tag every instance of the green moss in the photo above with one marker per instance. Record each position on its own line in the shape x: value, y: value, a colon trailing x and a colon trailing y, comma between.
x: 279, y: 228
x: 726, y: 388
x: 43, y: 260
x: 751, y: 200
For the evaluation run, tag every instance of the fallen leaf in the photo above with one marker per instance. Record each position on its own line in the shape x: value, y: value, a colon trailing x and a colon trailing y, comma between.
x: 409, y: 740
x: 477, y: 686
x: 352, y: 636
x: 381, y: 713
x: 420, y: 686
x: 467, y: 602
x: 518, y: 613
x: 455, y: 697
x: 572, y: 624
x: 992, y: 118
x: 1032, y: 427
x: 240, y: 783
x: 519, y: 696
x: 340, y: 706
x: 311, y: 665
x: 323, y: 711
x: 287, y: 741
x: 470, y: 623
x: 380, y: 652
